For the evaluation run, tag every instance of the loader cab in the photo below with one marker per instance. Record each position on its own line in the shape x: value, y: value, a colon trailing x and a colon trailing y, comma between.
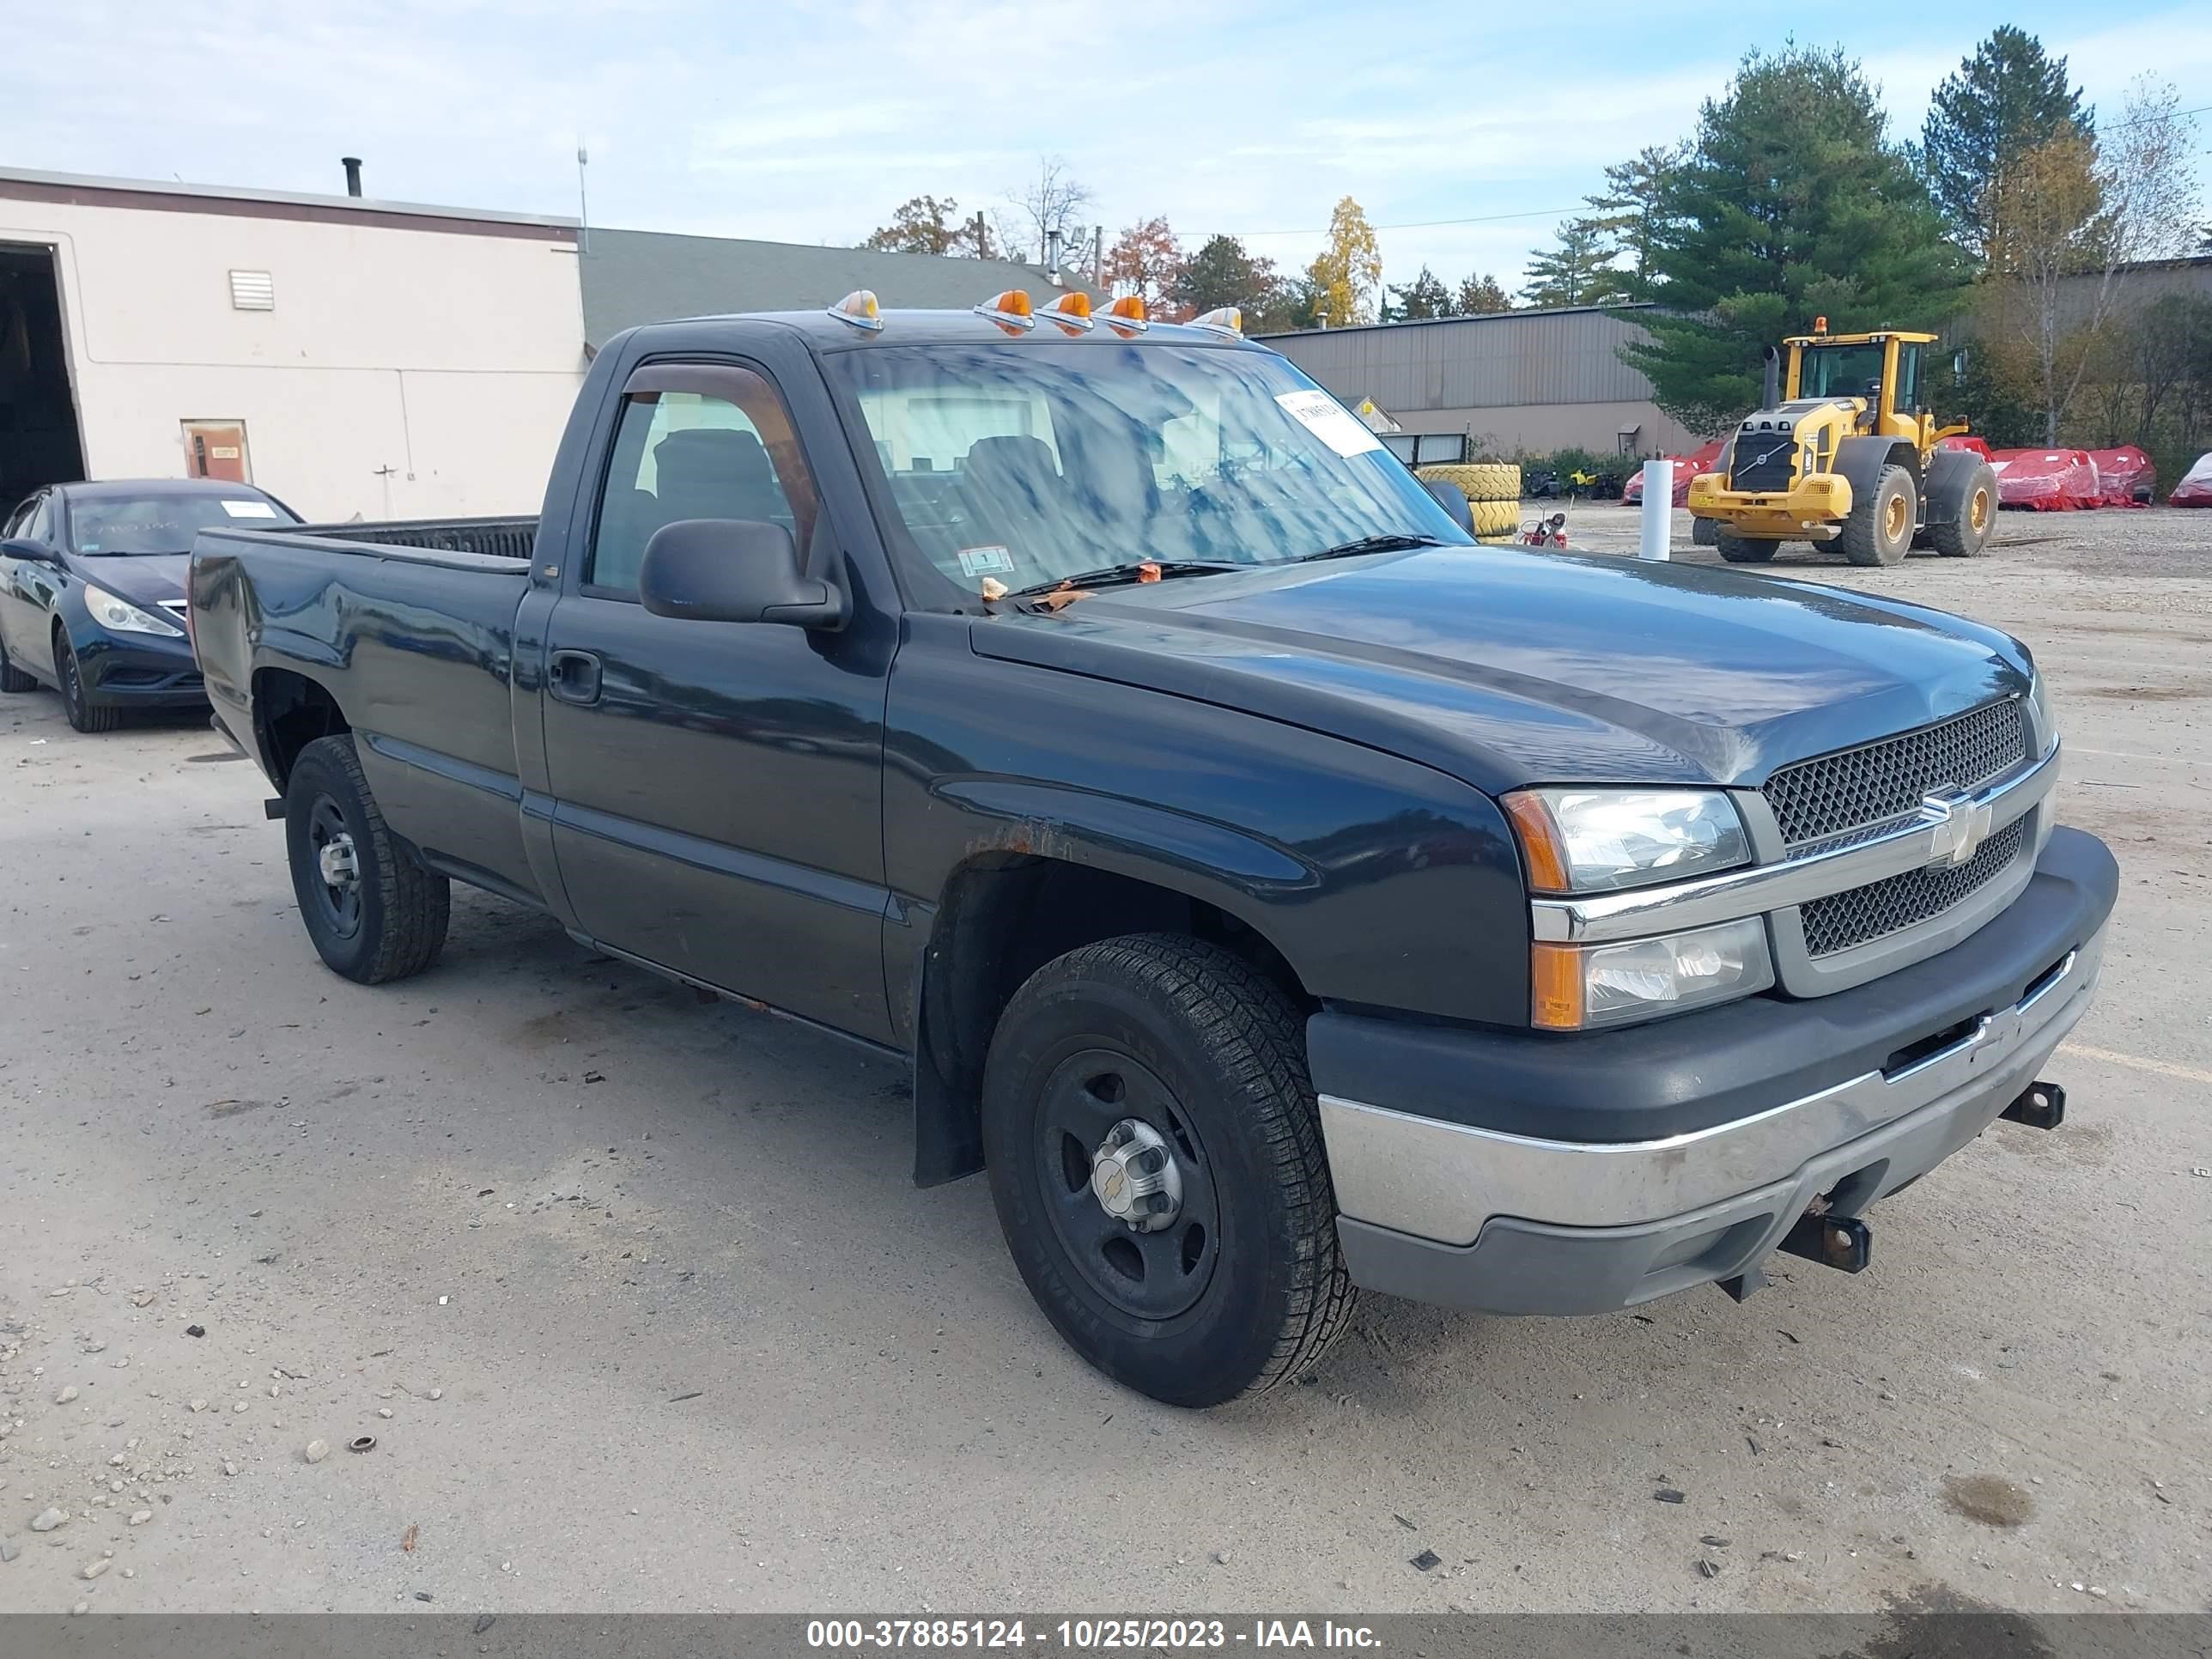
x: 1883, y: 371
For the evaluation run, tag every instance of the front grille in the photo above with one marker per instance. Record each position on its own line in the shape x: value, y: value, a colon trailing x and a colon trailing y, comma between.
x: 1763, y: 461
x: 1880, y: 909
x: 1879, y: 782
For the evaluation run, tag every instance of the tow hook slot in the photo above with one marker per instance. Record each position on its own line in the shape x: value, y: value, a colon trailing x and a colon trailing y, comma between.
x: 1840, y: 1241
x: 2040, y: 1106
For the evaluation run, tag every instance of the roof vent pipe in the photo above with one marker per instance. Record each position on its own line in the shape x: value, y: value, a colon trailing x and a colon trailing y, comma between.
x: 352, y: 164
x: 1052, y: 257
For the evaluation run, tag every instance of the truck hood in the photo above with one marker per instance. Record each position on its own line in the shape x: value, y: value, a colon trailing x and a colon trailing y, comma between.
x: 1507, y: 667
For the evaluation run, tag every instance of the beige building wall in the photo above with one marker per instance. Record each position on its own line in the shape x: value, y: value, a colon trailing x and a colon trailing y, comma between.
x: 409, y: 367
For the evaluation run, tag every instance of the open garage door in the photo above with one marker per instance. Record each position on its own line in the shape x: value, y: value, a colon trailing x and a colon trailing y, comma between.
x: 39, y: 439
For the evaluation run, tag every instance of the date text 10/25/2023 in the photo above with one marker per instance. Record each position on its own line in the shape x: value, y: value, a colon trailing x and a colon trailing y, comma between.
x: 1083, y: 1635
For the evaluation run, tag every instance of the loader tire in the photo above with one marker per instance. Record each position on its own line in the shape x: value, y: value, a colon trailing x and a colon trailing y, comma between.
x: 1744, y: 549
x: 1880, y: 528
x: 1495, y: 518
x: 1971, y: 520
x: 1483, y: 481
x: 1704, y: 532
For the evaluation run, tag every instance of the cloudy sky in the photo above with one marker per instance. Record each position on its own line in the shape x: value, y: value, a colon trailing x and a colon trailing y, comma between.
x: 810, y: 122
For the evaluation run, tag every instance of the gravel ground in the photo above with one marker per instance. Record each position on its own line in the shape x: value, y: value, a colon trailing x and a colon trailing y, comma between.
x: 637, y: 1300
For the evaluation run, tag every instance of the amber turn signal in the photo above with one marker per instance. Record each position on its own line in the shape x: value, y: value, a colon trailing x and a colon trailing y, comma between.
x: 1555, y: 986
x: 1540, y: 842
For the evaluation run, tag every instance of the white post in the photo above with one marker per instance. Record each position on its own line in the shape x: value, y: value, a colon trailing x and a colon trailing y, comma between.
x: 1658, y: 509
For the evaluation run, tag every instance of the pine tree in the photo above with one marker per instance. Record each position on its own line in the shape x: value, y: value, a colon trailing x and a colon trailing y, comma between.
x: 1633, y: 208
x: 1577, y: 270
x: 2009, y: 98
x: 1795, y: 205
x: 1425, y: 296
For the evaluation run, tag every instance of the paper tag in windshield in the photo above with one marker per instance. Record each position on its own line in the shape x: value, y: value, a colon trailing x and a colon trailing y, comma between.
x: 1328, y: 421
x: 983, y: 560
x: 249, y: 509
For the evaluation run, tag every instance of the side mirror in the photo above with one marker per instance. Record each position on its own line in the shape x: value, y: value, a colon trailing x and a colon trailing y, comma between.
x: 22, y: 547
x: 733, y: 570
x: 1453, y: 499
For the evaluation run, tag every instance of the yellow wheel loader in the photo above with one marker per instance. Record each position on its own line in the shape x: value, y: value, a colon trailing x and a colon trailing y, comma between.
x: 1844, y: 454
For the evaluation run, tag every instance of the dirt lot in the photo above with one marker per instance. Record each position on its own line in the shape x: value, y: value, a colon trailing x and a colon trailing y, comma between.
x: 637, y: 1301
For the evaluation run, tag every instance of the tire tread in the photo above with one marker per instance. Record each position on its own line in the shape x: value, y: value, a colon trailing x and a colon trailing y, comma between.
x: 415, y: 903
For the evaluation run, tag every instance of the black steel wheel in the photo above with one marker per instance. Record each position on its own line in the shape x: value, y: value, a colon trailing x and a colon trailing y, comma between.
x: 373, y: 910
x: 1155, y: 1158
x: 1131, y: 1190
x: 84, y: 713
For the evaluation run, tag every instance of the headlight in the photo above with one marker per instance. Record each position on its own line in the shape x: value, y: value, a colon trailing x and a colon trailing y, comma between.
x: 1591, y: 840
x: 110, y: 612
x: 1576, y: 987
x: 2045, y: 718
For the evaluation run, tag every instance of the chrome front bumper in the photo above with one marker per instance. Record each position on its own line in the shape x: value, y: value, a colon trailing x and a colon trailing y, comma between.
x: 1469, y: 1217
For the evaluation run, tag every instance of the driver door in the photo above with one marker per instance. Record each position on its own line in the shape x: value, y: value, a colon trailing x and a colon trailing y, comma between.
x: 28, y: 589
x: 718, y: 785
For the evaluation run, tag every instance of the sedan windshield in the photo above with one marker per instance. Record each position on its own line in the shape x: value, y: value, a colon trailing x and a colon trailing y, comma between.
x: 165, y: 521
x: 1035, y: 460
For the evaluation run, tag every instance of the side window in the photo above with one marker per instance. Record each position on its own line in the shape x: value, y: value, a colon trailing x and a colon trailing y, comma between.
x: 39, y: 526
x: 696, y: 441
x: 1908, y: 377
x: 18, y: 516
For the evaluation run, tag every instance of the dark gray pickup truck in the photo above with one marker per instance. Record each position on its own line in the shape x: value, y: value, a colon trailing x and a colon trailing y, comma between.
x: 1276, y: 890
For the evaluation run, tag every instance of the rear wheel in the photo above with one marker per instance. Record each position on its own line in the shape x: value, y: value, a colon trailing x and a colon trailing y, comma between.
x: 13, y: 678
x: 84, y: 714
x: 1704, y: 532
x: 1744, y: 549
x: 374, y: 913
x: 1155, y: 1158
x: 1969, y: 519
x: 1880, y: 528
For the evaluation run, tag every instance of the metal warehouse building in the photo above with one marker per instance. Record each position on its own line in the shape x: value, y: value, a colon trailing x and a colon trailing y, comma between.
x: 1515, y: 383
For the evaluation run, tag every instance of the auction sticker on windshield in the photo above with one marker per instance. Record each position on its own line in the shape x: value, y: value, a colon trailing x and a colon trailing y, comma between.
x: 1328, y: 421
x: 249, y: 509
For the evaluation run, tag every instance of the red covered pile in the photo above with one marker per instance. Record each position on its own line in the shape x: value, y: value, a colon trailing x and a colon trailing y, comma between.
x: 1687, y: 467
x: 2126, y: 475
x: 2195, y: 489
x: 2048, y: 480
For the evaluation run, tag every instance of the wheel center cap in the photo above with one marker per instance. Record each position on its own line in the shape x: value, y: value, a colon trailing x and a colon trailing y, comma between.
x: 339, y: 866
x: 1135, y: 1178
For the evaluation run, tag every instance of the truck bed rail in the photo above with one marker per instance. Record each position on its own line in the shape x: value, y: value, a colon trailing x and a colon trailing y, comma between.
x: 508, y: 537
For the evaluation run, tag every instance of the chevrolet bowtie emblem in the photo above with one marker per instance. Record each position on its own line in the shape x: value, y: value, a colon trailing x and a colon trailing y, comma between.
x: 1961, y: 826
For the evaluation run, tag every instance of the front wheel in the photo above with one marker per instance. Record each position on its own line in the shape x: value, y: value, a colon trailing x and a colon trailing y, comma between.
x: 1969, y: 519
x: 374, y: 912
x: 1880, y: 528
x: 84, y: 713
x: 1156, y: 1157
x: 13, y: 678
x: 1745, y: 549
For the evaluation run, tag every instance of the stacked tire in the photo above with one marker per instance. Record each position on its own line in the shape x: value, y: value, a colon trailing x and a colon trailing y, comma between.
x: 1493, y: 494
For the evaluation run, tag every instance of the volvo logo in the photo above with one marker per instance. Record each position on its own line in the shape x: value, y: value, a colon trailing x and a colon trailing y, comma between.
x: 1961, y: 826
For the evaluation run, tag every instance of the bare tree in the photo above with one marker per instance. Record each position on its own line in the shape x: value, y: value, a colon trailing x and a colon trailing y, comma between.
x: 2084, y: 213
x: 1049, y: 201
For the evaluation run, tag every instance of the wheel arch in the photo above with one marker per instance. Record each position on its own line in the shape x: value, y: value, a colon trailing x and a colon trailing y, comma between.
x: 1004, y: 913
x: 290, y: 711
x: 1950, y: 476
x: 1860, y: 461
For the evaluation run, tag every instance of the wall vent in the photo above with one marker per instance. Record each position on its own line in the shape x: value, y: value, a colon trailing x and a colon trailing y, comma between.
x: 252, y: 290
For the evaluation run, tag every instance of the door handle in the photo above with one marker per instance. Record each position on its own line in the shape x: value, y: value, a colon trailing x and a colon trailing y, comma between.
x: 575, y: 677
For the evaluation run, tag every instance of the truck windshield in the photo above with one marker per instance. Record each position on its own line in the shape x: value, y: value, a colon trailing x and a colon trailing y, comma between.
x: 1034, y: 460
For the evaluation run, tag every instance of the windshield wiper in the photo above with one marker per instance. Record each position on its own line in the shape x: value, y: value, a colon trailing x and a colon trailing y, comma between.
x: 1124, y: 575
x: 1397, y: 542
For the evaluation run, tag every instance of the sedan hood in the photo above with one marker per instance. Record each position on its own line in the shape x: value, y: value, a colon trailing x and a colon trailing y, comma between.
x: 146, y: 580
x: 1507, y: 668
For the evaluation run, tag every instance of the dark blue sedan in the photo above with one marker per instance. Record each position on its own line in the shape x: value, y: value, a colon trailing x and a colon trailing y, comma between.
x: 91, y: 590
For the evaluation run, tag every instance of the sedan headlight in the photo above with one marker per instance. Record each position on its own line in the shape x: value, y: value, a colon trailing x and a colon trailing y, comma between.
x: 1573, y: 987
x: 125, y: 617
x: 1592, y: 841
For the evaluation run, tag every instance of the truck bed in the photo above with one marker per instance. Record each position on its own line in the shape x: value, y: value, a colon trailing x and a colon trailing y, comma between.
x: 410, y: 628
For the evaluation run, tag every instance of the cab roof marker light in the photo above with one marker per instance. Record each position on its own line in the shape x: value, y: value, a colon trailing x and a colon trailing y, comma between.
x: 1071, y: 312
x: 1010, y: 311
x: 1125, y: 316
x: 858, y: 308
x: 1222, y: 319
